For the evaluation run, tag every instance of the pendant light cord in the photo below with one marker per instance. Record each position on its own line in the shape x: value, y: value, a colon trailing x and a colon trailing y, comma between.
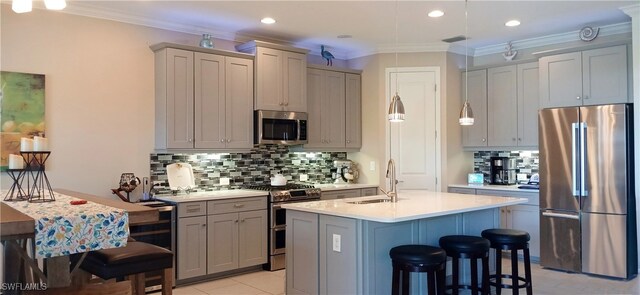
x: 396, y: 20
x: 466, y: 54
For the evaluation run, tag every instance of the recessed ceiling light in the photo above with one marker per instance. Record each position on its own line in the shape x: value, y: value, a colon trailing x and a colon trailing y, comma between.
x: 268, y: 20
x: 436, y: 13
x: 344, y: 36
x: 512, y: 23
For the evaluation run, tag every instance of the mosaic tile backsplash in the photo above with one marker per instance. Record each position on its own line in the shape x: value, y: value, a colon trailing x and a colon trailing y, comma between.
x: 254, y: 167
x: 527, y: 162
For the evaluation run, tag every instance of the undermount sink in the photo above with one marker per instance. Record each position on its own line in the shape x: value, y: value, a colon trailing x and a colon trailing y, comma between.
x: 373, y: 201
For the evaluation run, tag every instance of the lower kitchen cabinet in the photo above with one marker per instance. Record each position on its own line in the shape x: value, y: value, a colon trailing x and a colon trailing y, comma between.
x: 236, y: 240
x: 192, y: 247
x: 226, y: 235
x: 349, y: 193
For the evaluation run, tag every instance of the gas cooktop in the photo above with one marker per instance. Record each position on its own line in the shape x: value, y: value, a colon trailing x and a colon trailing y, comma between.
x: 288, y: 193
x: 287, y: 187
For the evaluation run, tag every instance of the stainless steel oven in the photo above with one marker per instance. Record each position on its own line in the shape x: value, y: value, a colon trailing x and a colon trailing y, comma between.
x: 277, y: 231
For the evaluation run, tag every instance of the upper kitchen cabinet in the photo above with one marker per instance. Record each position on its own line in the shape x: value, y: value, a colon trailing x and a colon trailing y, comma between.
x: 334, y: 108
x: 280, y: 76
x: 528, y: 104
x: 474, y: 90
x: 502, y: 106
x: 590, y: 77
x: 204, y: 98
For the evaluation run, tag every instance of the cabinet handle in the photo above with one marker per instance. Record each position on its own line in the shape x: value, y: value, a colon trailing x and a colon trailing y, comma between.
x: 348, y: 141
x: 236, y: 221
x: 586, y: 97
x: 281, y: 103
x: 238, y: 205
x: 484, y: 139
x: 228, y: 140
x: 204, y: 225
x: 190, y: 140
x: 286, y: 103
x: 514, y: 139
x: 502, y: 210
x: 242, y: 220
x: 578, y: 97
x: 519, y: 139
x: 222, y: 140
x: 509, y: 211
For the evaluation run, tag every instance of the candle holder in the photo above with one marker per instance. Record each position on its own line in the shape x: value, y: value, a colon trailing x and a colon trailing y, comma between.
x: 16, y: 193
x: 37, y: 192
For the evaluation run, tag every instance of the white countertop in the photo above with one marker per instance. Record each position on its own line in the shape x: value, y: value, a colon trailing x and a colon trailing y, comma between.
x: 336, y: 187
x: 411, y: 205
x: 495, y: 187
x: 212, y: 195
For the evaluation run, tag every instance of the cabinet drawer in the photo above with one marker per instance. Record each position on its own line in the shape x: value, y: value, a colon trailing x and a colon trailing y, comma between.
x: 369, y: 191
x: 460, y: 190
x: 192, y: 209
x: 340, y: 194
x: 236, y: 205
x: 534, y: 198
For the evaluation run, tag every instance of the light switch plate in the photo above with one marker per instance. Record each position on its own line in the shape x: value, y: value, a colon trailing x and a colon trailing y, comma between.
x: 304, y: 177
x: 336, y: 242
x: 372, y: 165
x: 224, y: 180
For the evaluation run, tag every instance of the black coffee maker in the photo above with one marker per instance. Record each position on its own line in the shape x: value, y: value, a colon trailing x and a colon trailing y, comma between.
x: 503, y: 170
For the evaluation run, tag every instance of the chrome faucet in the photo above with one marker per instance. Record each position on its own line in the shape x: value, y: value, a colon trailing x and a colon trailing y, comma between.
x: 391, y: 174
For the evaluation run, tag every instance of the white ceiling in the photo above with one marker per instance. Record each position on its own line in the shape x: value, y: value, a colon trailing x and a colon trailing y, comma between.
x: 371, y: 23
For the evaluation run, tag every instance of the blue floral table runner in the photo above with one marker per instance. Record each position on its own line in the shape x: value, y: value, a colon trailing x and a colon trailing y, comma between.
x: 64, y: 229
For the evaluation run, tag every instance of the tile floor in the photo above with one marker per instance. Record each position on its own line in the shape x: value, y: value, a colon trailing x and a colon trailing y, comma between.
x: 544, y: 281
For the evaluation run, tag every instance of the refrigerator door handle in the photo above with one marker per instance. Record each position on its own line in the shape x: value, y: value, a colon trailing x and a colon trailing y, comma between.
x: 561, y: 215
x: 583, y: 159
x: 574, y: 159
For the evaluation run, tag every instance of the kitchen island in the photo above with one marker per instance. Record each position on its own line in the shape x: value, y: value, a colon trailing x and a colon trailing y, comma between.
x: 342, y: 246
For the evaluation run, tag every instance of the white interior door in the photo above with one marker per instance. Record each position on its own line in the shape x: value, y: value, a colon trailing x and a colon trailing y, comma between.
x: 414, y: 143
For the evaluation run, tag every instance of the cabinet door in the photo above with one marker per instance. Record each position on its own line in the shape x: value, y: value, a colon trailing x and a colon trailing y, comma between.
x: 294, y: 81
x: 239, y: 103
x: 369, y: 191
x: 222, y: 238
x: 333, y: 110
x: 252, y: 238
x: 528, y: 104
x: 505, y: 222
x: 561, y: 80
x: 343, y: 194
x: 315, y: 94
x: 604, y: 75
x: 353, y: 111
x: 269, y: 79
x: 527, y: 218
x: 192, y: 247
x: 209, y: 92
x: 179, y: 99
x: 502, y: 129
x: 476, y: 89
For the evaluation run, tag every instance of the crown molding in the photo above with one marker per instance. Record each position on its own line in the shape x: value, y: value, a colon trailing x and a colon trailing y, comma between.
x: 607, y: 30
x: 631, y: 10
x: 412, y: 48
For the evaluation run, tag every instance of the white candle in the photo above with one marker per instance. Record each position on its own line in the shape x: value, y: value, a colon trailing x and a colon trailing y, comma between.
x: 26, y: 144
x: 16, y: 162
x: 39, y: 144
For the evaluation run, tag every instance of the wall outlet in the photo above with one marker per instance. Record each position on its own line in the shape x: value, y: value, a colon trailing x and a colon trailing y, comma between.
x: 336, y: 242
x: 304, y: 177
x: 224, y: 180
x: 372, y: 165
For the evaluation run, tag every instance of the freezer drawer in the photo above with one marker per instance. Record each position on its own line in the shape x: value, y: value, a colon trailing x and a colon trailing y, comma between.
x: 560, y: 240
x: 604, y: 244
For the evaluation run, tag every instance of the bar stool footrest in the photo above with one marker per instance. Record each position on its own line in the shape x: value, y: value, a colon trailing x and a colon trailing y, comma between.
x: 493, y: 281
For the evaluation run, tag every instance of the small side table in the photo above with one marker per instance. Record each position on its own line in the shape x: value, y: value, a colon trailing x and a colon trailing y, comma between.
x: 16, y: 193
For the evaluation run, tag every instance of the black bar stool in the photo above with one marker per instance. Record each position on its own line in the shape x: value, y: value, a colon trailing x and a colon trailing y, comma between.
x: 473, y: 248
x: 418, y: 258
x: 513, y: 240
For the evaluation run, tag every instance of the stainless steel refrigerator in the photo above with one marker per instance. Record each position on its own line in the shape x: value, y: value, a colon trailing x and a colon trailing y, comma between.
x: 587, y: 198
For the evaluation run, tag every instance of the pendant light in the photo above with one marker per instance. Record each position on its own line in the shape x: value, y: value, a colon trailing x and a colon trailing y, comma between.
x: 466, y: 114
x: 396, y: 108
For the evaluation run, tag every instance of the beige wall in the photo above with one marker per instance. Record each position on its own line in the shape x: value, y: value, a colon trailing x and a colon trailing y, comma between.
x: 454, y: 162
x: 99, y: 92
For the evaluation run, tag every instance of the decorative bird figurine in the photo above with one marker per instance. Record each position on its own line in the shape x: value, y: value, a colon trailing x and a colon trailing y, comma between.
x: 327, y: 55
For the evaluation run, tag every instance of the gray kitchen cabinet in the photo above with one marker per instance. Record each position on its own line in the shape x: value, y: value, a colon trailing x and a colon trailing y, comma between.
x: 476, y: 93
x: 502, y: 129
x: 192, y: 247
x: 204, y: 99
x: 280, y: 76
x: 237, y: 234
x: 528, y: 104
x: 353, y: 111
x: 590, y: 77
x: 458, y: 190
x: 341, y: 194
x: 304, y: 248
x: 372, y: 191
x: 326, y: 107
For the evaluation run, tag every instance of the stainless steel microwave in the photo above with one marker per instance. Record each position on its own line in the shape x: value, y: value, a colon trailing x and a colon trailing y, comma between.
x: 276, y: 127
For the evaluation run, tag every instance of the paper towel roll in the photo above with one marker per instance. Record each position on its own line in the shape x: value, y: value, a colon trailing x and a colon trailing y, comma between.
x: 26, y: 144
x: 40, y: 144
x: 16, y: 162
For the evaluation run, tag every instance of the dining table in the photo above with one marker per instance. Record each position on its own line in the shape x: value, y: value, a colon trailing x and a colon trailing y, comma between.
x: 54, y: 231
